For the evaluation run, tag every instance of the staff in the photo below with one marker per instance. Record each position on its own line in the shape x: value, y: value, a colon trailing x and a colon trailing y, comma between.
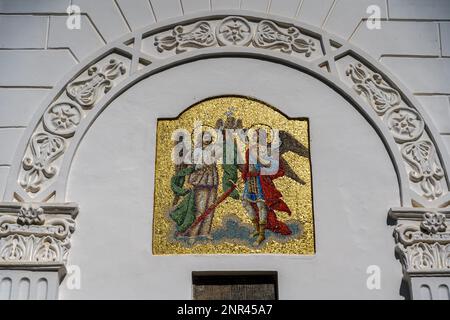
x: 210, y: 209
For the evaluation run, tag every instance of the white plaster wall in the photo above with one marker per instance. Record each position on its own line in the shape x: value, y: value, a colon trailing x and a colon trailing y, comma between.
x: 36, y: 51
x: 354, y: 185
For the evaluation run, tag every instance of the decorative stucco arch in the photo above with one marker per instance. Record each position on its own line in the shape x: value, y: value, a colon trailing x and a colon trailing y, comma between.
x: 344, y: 68
x: 43, y: 158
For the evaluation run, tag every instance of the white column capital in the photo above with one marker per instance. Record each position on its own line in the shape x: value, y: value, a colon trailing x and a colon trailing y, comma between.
x: 34, y: 247
x: 422, y: 237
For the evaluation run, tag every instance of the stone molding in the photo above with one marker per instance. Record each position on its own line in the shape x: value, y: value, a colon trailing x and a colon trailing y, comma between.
x: 35, y: 230
x: 422, y: 237
x: 42, y: 162
x: 36, y: 235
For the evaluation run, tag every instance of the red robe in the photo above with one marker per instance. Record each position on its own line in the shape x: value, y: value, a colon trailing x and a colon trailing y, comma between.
x: 272, y: 198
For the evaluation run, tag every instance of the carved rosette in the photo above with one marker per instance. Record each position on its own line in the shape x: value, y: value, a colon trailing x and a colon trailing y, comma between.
x: 32, y: 236
x: 424, y: 246
x: 61, y: 120
x: 404, y: 123
x: 406, y: 126
x: 234, y: 31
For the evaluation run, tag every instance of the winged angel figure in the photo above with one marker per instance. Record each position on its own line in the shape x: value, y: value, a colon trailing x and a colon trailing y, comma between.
x: 195, y: 185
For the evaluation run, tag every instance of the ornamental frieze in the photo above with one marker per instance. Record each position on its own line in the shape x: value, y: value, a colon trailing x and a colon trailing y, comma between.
x: 238, y: 31
x: 61, y: 119
x: 57, y: 129
x: 406, y: 126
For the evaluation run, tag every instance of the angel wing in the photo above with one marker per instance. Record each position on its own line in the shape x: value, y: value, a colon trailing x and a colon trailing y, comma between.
x: 290, y: 144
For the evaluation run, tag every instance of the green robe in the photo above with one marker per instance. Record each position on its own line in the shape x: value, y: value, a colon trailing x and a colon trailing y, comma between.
x: 184, y: 212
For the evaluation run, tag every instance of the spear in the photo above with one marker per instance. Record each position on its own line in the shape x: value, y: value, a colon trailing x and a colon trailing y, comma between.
x: 210, y: 209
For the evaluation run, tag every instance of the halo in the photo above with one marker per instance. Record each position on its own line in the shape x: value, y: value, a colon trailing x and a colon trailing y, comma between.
x: 204, y: 128
x: 266, y: 127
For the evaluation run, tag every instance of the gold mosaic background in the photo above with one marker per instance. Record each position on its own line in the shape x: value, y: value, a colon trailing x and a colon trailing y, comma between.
x: 298, y: 197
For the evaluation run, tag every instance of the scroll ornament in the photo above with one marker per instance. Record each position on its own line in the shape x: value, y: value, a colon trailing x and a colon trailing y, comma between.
x: 380, y: 95
x: 236, y: 31
x: 406, y: 126
x: 45, y: 149
x: 201, y: 35
x: 426, y: 171
x: 60, y: 122
x: 86, y: 91
x: 424, y: 248
x: 269, y: 35
x: 30, y: 238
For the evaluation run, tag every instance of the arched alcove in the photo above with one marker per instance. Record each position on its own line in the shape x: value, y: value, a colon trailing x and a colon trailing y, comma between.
x: 354, y: 183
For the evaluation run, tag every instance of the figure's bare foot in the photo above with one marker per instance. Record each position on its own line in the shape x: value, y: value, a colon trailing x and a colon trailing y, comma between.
x: 259, y: 240
x: 261, y: 235
x: 256, y: 225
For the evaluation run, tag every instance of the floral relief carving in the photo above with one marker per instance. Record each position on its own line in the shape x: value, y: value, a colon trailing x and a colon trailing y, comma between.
x: 380, y: 96
x: 434, y: 222
x: 60, y: 122
x: 30, y: 238
x: 405, y: 124
x: 424, y: 246
x: 426, y: 171
x: 86, y: 91
x: 14, y: 249
x: 408, y: 234
x: 17, y: 248
x: 234, y: 31
x: 201, y: 35
x: 30, y: 215
x: 45, y: 149
x: 62, y: 118
x: 270, y: 36
x: 425, y: 257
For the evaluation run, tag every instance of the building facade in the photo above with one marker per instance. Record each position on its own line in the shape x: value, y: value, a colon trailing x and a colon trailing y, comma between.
x: 84, y: 97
